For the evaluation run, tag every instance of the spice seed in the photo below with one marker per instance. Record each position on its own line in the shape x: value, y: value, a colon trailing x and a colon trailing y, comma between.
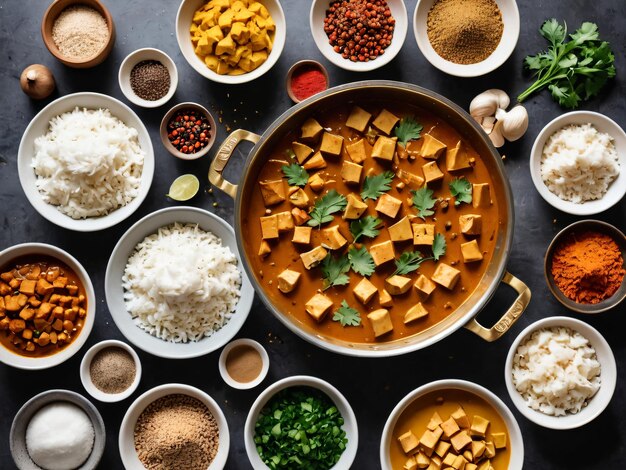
x: 150, y: 80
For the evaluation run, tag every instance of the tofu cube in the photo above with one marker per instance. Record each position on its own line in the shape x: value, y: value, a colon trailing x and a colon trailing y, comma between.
x: 442, y: 448
x: 401, y: 231
x: 459, y: 463
x: 408, y: 441
x: 312, y: 258
x: 27, y: 287
x: 316, y: 182
x: 351, y: 172
x: 381, y: 321
x: 478, y: 449
x: 480, y: 195
x: 269, y: 227
x: 470, y: 224
x: 298, y: 197
x: 410, y: 464
x: 461, y: 418
x: 429, y: 439
x: 446, y: 276
x: 432, y: 172
x: 264, y: 249
x: 384, y: 148
x: 364, y: 291
x: 470, y: 466
x: 449, y: 460
x: 332, y: 239
x: 273, y: 192
x: 457, y: 159
x: 299, y: 216
x: 357, y: 151
x: 410, y: 179
x: 449, y: 427
x: 385, y: 121
x: 302, y: 235
x: 382, y: 252
x: 424, y: 286
x: 397, y: 285
x: 285, y: 221
x: 479, y: 426
x: 331, y: 144
x: 240, y: 33
x: 485, y: 465
x: 311, y: 129
x: 499, y: 440
x: 416, y: 312
x: 490, y: 450
x: 460, y: 440
x: 434, y: 422
x: 432, y: 148
x: 287, y: 280
x: 316, y: 162
x: 225, y: 46
x: 422, y: 460
x: 471, y: 252
x: 384, y: 299
x: 301, y: 151
x: 317, y: 306
x: 423, y: 234
x: 358, y: 119
x: 388, y: 205
x: 354, y: 207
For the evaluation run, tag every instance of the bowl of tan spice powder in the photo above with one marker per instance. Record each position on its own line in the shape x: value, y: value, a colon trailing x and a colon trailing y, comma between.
x: 80, y: 33
x: 466, y: 38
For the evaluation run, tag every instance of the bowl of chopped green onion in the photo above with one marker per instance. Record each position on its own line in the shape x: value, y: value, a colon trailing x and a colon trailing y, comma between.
x: 301, y: 422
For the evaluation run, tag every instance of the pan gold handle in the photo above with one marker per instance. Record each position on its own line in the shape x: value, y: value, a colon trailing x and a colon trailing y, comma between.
x: 223, y: 156
x: 511, y: 315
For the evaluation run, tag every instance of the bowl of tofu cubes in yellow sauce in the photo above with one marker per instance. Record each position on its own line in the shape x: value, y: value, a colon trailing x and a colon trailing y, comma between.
x: 374, y: 219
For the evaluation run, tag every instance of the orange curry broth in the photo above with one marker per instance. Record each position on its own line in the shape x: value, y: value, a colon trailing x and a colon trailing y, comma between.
x: 286, y: 254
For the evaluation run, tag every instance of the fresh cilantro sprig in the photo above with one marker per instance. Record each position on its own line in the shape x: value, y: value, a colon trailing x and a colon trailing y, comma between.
x: 347, y: 315
x: 424, y: 202
x: 377, y: 185
x: 573, y: 71
x: 439, y: 246
x: 325, y: 206
x: 361, y: 261
x: 334, y: 271
x: 461, y: 190
x: 411, y: 261
x: 295, y: 174
x: 365, y: 227
x: 408, y: 129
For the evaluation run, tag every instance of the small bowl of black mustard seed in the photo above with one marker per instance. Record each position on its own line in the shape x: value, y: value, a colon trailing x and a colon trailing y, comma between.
x: 148, y: 77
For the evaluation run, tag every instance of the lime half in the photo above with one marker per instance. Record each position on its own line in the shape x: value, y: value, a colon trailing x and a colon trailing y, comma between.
x: 184, y: 188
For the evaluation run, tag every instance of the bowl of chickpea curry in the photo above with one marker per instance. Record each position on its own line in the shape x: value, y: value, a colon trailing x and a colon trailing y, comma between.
x: 374, y: 219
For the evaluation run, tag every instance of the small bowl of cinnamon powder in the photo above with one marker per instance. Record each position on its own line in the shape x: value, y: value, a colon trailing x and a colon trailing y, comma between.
x: 110, y: 371
x: 584, y: 266
x: 244, y: 363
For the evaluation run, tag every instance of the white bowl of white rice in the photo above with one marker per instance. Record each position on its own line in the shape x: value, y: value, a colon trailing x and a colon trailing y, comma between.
x: 560, y: 373
x: 175, y: 285
x: 86, y: 162
x: 578, y: 163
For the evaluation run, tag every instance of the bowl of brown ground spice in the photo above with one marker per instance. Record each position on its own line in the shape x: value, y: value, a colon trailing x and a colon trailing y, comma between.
x: 466, y: 38
x: 584, y: 266
x: 79, y: 33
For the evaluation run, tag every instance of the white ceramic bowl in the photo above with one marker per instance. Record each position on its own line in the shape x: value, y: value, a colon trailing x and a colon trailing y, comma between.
x: 265, y: 359
x: 85, y: 375
x: 133, y: 59
x: 316, y: 20
x: 510, y: 35
x: 115, y: 292
x: 617, y: 189
x: 597, y: 403
x: 39, y: 126
x: 349, y: 426
x: 126, y: 439
x: 183, y: 22
x: 17, y: 438
x: 515, y: 434
x: 36, y: 363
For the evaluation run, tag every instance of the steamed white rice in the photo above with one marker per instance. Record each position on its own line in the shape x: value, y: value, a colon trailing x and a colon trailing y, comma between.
x: 181, y: 284
x: 578, y: 163
x: 88, y: 164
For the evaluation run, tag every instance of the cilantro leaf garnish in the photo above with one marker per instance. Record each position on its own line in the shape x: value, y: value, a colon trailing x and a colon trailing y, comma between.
x: 377, y: 185
x: 424, y: 202
x: 365, y: 227
x: 325, y: 206
x: 439, y: 246
x: 347, y: 315
x: 461, y: 190
x: 408, y: 129
x: 334, y: 271
x: 295, y: 174
x: 410, y: 261
x: 361, y: 261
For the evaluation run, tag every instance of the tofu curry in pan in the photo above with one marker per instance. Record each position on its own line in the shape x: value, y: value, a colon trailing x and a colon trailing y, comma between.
x: 371, y: 223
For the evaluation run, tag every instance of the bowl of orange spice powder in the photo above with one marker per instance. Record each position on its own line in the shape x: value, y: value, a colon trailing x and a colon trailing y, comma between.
x: 584, y: 266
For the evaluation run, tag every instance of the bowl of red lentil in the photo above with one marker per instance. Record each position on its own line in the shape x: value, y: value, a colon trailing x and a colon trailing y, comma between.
x: 584, y: 266
x: 188, y: 131
x: 359, y: 35
x: 148, y: 77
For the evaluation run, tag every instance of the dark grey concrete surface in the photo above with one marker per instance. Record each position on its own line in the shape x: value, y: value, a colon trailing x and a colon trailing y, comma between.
x: 372, y: 386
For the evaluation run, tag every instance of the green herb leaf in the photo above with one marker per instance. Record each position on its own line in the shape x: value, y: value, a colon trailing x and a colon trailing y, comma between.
x: 365, y: 227
x: 347, y: 315
x: 377, y: 185
x: 461, y: 190
x: 361, y: 261
x: 424, y: 202
x: 334, y: 271
x: 408, y: 262
x: 325, y: 206
x: 408, y: 129
x: 439, y: 246
x: 295, y: 174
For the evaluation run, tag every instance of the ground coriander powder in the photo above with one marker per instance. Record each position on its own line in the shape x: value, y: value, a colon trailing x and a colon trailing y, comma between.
x: 112, y: 370
x: 80, y: 32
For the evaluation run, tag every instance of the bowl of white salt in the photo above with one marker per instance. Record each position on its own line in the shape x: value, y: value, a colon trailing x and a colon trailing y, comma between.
x: 57, y: 430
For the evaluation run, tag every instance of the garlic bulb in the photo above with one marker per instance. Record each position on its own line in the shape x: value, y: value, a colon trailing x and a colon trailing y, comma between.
x: 496, y: 135
x: 489, y: 110
x: 514, y: 123
x: 488, y: 102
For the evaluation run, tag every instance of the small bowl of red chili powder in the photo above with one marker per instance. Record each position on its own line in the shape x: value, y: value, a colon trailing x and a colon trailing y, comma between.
x: 584, y: 266
x: 188, y: 131
x: 305, y: 79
